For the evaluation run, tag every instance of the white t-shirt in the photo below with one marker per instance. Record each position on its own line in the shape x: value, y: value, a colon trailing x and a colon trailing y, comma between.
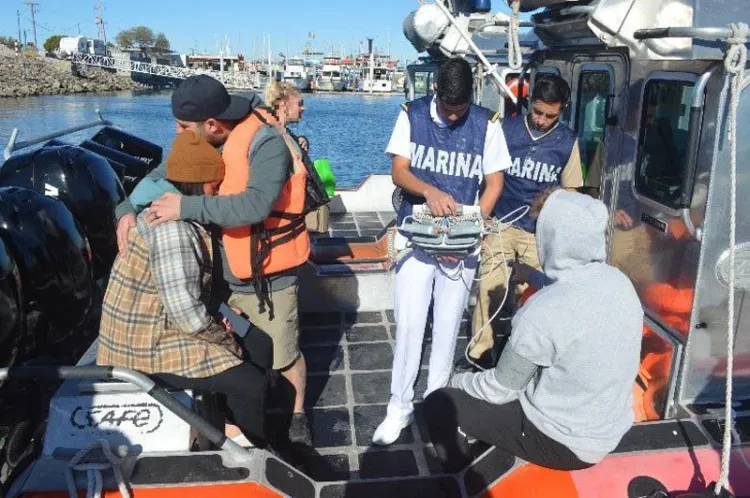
x: 495, y: 157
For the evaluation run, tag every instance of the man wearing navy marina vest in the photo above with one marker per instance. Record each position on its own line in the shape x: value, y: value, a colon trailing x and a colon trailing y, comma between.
x: 544, y: 154
x: 443, y: 149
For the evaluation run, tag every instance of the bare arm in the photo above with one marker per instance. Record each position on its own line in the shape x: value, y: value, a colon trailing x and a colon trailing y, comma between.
x: 440, y: 203
x: 493, y: 186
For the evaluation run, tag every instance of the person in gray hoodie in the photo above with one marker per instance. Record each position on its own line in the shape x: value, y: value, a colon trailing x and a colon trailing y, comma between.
x: 561, y: 393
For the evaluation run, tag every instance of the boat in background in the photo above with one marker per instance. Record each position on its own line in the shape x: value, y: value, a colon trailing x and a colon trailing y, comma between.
x: 295, y: 73
x: 330, y: 77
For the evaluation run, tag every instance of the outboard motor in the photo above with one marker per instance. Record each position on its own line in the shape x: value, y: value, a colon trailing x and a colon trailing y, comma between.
x: 131, y: 157
x: 11, y: 309
x: 129, y: 169
x: 148, y: 153
x: 84, y: 182
x: 54, y: 262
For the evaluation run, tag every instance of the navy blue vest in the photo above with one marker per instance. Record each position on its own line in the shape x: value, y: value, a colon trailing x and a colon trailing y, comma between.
x: 535, y: 166
x: 448, y: 158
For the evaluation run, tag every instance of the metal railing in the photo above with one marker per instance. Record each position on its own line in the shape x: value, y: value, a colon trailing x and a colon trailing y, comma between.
x: 14, y: 144
x: 48, y: 374
x: 231, y: 79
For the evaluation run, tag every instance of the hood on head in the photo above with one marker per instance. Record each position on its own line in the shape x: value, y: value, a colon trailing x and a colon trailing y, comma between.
x: 571, y: 232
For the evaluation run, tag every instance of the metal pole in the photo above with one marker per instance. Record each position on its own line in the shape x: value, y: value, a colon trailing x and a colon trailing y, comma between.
x: 169, y: 402
x: 489, y: 67
x: 683, y: 32
x: 13, y: 145
x: 18, y: 14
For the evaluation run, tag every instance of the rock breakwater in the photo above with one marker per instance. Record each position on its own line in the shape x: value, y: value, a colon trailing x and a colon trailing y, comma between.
x: 26, y: 76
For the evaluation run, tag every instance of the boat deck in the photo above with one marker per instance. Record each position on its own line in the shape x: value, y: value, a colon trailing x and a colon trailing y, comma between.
x: 349, y: 358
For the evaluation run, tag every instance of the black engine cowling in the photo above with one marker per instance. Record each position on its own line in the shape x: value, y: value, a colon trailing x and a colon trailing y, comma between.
x: 11, y: 308
x: 84, y: 182
x: 53, y: 258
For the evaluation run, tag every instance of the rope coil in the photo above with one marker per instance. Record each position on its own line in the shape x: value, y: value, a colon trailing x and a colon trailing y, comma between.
x: 515, y: 57
x: 94, y: 477
x: 734, y: 63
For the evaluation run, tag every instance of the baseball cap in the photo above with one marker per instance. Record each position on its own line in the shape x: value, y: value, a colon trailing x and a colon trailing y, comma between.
x: 202, y: 97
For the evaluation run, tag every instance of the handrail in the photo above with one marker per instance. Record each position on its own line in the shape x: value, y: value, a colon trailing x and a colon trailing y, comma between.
x: 14, y: 146
x: 503, y: 23
x: 683, y: 32
x: 131, y: 377
x: 691, y: 165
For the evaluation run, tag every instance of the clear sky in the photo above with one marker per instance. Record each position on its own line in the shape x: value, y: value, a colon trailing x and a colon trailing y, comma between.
x: 200, y: 24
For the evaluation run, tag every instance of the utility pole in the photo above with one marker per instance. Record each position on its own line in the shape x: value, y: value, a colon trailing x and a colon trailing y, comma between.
x: 18, y: 15
x: 99, y: 8
x: 79, y: 28
x: 32, y: 6
x: 25, y: 38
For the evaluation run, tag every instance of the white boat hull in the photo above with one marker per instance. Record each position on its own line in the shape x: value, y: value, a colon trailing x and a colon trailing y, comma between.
x: 377, y: 86
x: 328, y: 85
x: 299, y: 83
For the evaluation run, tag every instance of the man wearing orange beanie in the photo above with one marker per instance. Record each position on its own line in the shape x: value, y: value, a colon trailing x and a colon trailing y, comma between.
x: 155, y: 316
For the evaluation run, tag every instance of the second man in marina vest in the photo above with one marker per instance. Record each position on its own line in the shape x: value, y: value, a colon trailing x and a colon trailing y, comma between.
x: 442, y: 150
x: 544, y: 154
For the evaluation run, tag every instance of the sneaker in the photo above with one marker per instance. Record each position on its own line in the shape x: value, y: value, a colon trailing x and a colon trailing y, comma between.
x: 243, y: 441
x: 390, y: 429
x: 299, y: 430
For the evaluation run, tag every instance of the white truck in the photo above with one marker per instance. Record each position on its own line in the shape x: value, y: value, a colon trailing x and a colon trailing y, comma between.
x: 70, y: 45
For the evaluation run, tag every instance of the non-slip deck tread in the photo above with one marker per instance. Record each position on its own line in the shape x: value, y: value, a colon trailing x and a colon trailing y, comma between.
x: 349, y: 358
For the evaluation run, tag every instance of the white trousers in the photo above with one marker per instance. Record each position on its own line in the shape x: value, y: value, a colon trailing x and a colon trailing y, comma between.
x: 416, y: 276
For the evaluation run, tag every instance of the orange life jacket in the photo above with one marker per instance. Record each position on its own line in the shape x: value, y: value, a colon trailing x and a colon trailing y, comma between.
x: 280, y: 242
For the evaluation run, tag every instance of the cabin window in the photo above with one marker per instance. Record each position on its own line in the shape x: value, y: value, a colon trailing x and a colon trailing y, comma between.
x: 664, y: 140
x: 593, y: 90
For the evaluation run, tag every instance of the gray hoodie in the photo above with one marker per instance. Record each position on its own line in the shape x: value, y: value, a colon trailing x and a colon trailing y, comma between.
x: 574, y: 349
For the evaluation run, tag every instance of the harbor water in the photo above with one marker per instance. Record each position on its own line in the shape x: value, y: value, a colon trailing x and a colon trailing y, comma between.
x: 351, y: 131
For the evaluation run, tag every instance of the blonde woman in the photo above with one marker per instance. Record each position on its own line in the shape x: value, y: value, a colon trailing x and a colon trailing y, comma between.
x: 288, y: 105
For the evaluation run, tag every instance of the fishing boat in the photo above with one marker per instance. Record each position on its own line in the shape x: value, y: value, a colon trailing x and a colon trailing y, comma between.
x: 295, y: 73
x: 330, y: 77
x: 658, y: 94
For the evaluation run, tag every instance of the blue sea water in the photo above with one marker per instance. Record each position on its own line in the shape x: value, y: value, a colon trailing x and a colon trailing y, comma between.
x: 351, y: 130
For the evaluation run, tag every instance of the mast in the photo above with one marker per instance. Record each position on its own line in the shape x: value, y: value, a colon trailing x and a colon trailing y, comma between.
x: 372, y: 63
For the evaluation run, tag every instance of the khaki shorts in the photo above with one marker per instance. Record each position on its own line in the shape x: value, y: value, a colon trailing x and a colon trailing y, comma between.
x: 283, y: 328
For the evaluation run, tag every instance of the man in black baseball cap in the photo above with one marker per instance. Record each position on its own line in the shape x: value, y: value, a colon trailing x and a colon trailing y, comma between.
x: 201, y: 97
x: 202, y: 104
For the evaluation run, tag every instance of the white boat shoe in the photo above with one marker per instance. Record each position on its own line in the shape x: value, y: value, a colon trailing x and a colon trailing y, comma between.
x: 389, y: 430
